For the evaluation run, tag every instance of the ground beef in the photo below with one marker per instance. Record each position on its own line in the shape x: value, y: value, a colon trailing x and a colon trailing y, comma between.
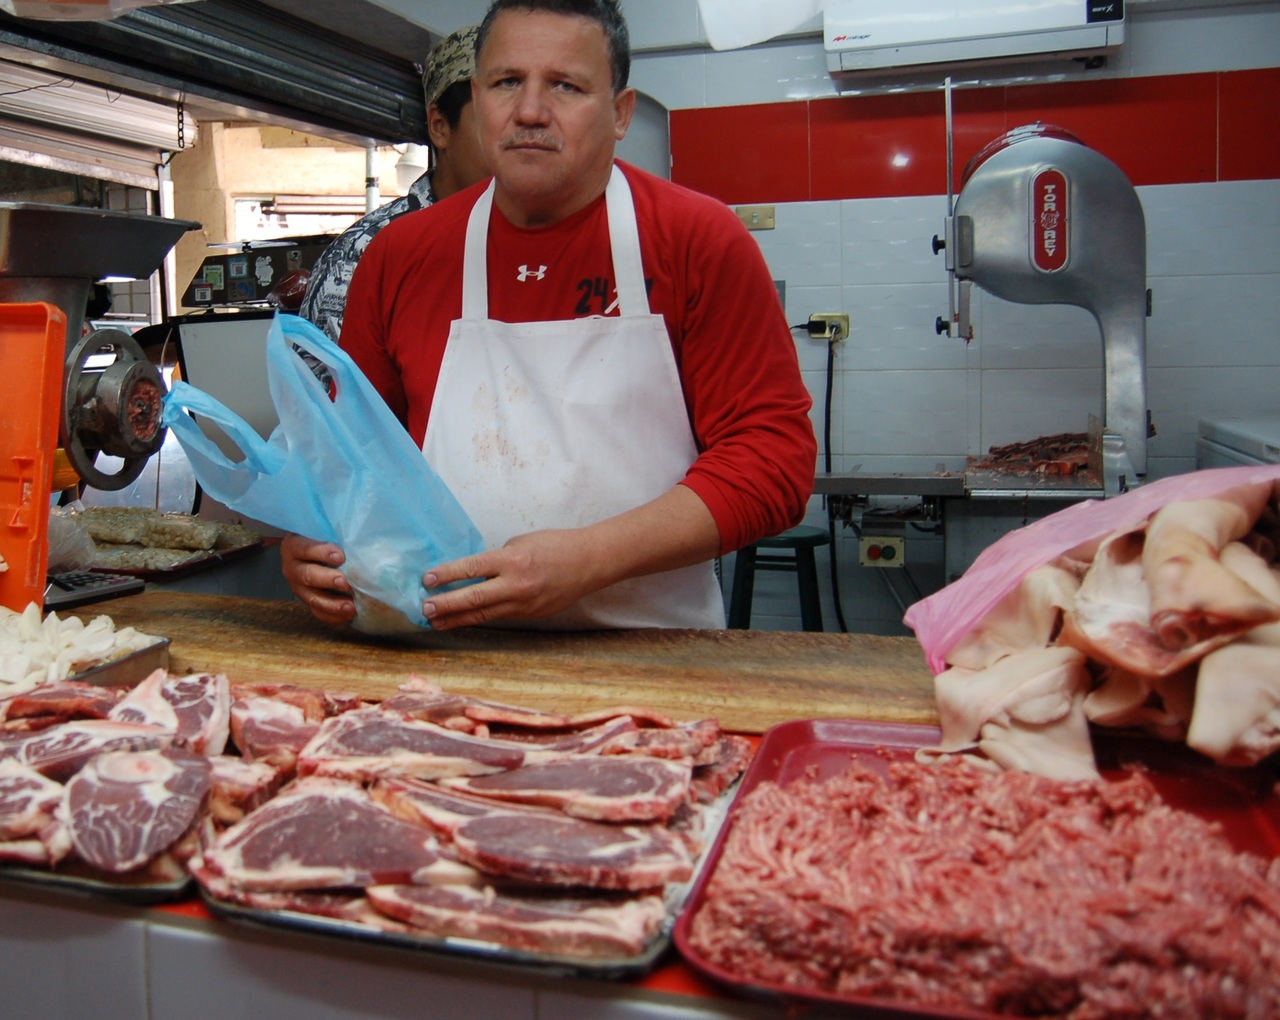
x: 948, y: 888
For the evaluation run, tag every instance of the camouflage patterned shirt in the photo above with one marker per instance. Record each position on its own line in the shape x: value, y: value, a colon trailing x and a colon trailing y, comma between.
x: 326, y: 296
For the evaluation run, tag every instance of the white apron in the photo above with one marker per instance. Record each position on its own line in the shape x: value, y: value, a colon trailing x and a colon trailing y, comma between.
x: 561, y: 424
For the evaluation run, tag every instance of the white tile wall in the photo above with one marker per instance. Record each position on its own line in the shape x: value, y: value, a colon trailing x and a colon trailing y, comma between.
x: 906, y: 399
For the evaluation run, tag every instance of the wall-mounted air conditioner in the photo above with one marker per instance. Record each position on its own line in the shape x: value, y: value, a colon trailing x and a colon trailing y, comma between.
x: 872, y: 35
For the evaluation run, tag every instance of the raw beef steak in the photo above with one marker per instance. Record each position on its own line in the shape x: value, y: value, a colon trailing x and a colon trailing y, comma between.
x: 147, y: 704
x: 198, y: 705
x: 240, y: 786
x: 60, y: 701
x: 126, y: 807
x: 538, y: 845
x: 586, y: 926
x: 419, y: 698
x: 324, y: 834
x: 347, y: 905
x: 26, y: 851
x: 591, y: 740
x: 628, y: 788
x: 61, y: 751
x: 710, y: 781
x: 27, y: 800
x: 369, y: 743
x: 315, y: 705
x: 271, y: 731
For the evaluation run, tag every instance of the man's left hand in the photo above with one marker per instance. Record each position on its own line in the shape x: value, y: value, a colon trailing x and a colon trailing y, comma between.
x: 532, y: 576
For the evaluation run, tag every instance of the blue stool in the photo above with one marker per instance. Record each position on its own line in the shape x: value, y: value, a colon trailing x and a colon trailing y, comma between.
x: 791, y: 551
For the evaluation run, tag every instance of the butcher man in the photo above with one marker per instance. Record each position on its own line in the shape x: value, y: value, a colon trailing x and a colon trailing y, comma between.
x: 594, y: 359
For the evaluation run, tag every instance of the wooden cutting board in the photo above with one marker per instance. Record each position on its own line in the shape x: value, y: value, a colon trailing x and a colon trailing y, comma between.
x: 748, y: 680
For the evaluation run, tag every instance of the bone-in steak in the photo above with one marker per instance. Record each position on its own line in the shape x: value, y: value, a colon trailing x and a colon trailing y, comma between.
x: 197, y: 706
x: 588, y: 926
x: 27, y: 800
x: 265, y: 729
x: 124, y: 807
x: 624, y: 788
x: 419, y: 698
x: 60, y: 701
x: 542, y: 846
x: 61, y: 751
x: 323, y: 834
x: 369, y: 743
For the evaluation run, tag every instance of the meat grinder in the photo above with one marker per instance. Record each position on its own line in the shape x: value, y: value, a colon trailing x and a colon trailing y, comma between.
x: 112, y: 394
x: 1043, y: 219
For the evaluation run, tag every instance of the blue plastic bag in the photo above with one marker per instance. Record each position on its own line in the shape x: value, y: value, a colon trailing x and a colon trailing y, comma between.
x: 338, y: 468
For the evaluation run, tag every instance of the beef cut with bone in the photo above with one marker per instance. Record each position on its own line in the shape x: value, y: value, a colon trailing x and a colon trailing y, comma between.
x: 615, y: 788
x: 197, y: 707
x: 369, y: 743
x: 537, y: 845
x: 27, y: 800
x: 588, y: 926
x: 126, y: 807
x: 323, y: 833
x: 61, y: 751
x: 61, y: 701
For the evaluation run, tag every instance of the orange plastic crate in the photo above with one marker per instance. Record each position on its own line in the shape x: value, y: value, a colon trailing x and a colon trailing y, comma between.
x: 32, y: 351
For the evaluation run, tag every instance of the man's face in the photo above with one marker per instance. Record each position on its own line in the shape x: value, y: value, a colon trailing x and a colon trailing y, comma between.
x: 547, y: 115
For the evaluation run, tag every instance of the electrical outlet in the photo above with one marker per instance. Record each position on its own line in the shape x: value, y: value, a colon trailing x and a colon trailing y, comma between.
x: 829, y: 325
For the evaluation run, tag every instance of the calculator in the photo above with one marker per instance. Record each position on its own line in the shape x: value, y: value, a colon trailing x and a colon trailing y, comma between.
x: 81, y: 587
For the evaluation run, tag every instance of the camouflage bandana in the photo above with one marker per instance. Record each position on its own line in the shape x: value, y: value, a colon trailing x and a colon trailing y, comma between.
x: 452, y: 59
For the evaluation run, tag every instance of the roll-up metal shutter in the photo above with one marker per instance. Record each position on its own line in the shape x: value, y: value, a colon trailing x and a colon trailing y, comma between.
x: 83, y: 155
x: 60, y: 123
x: 240, y: 55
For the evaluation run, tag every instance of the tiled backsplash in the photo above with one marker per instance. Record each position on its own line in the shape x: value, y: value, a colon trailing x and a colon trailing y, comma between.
x: 907, y: 399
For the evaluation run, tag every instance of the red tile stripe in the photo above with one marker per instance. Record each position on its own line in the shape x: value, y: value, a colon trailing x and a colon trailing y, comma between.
x: 1173, y: 129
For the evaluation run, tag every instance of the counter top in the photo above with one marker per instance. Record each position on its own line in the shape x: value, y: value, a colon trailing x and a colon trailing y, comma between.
x: 163, y: 963
x: 748, y: 680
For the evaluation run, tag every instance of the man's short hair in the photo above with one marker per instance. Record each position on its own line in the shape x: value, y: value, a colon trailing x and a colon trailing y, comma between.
x: 605, y: 13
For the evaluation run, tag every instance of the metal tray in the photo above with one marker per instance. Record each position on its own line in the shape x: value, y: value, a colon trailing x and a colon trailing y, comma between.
x: 122, y: 889
x: 198, y: 564
x: 1243, y: 801
x: 127, y: 670
x: 600, y: 968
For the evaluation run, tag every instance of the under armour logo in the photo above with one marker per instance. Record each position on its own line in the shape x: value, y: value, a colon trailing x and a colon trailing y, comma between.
x: 526, y: 272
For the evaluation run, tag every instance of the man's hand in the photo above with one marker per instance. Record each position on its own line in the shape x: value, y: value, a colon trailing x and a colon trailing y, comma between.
x: 532, y: 576
x: 544, y: 572
x: 310, y: 569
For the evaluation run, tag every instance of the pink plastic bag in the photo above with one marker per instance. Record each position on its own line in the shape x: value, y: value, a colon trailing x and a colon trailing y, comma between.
x: 948, y: 615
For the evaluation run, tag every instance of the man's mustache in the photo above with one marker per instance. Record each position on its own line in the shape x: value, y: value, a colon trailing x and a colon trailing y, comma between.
x: 538, y: 139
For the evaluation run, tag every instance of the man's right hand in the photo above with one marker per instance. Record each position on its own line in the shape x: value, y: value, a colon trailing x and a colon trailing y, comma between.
x: 311, y: 570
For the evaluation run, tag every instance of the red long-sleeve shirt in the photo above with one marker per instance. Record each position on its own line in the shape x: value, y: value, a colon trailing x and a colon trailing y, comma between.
x: 747, y: 404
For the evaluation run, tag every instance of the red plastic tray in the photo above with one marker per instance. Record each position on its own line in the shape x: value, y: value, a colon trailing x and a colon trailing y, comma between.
x: 1243, y: 801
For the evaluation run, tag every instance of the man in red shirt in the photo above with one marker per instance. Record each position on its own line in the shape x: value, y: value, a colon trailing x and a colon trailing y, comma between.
x: 594, y: 359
